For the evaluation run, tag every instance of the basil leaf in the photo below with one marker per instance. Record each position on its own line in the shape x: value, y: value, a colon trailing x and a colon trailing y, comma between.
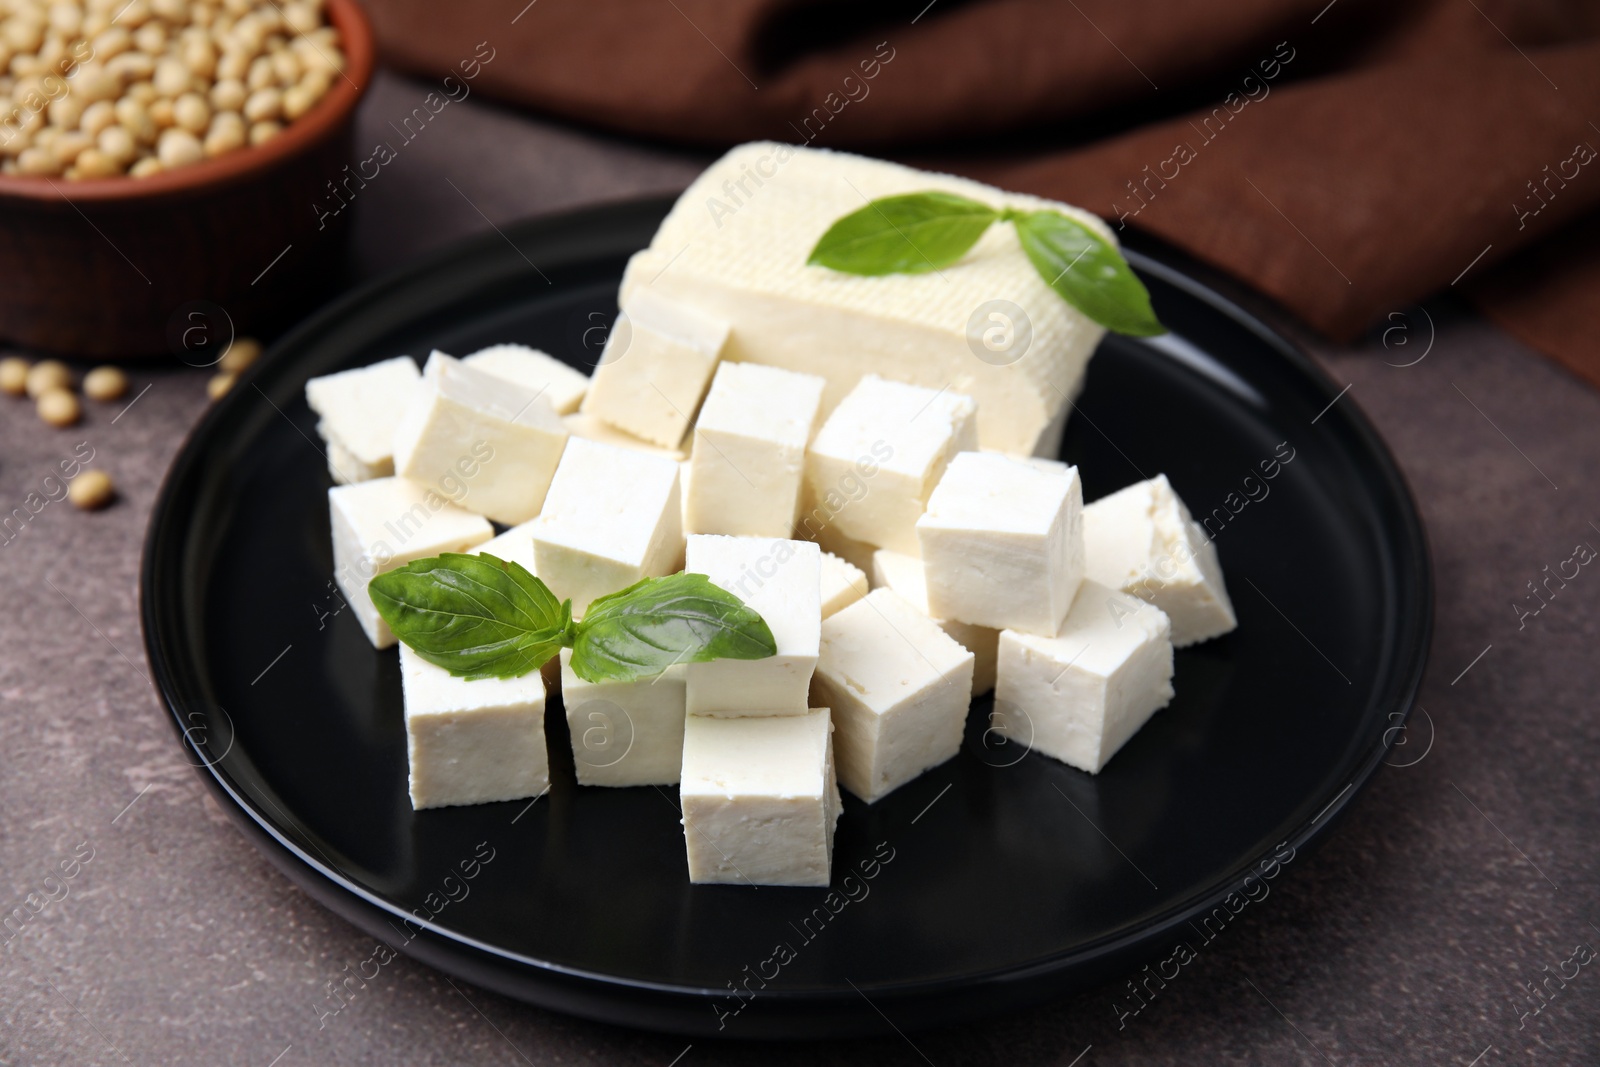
x: 652, y: 624
x: 475, y: 616
x: 1087, y: 271
x: 909, y: 234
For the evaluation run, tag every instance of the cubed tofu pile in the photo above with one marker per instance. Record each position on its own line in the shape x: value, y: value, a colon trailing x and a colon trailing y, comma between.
x: 904, y: 545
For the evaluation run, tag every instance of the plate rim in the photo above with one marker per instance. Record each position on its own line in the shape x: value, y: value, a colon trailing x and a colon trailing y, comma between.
x: 333, y: 888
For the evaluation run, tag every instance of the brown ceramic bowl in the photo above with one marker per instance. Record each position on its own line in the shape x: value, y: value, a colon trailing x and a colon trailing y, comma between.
x: 180, y: 261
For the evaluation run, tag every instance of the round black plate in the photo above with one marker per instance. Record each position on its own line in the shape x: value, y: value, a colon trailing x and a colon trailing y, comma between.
x: 998, y: 879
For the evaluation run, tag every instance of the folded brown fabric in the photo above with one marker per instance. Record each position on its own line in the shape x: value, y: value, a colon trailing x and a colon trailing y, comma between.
x: 1349, y: 158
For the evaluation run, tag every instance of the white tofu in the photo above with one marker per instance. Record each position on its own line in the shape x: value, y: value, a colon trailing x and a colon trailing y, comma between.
x: 904, y: 574
x: 843, y: 584
x: 387, y: 523
x: 531, y: 368
x: 581, y: 424
x: 1002, y: 543
x: 828, y: 538
x: 466, y: 427
x: 472, y: 742
x: 759, y: 799
x: 656, y: 365
x: 749, y: 452
x: 515, y: 545
x: 625, y: 733
x: 736, y: 244
x: 612, y: 517
x: 782, y: 581
x: 880, y: 454
x: 1080, y: 695
x: 898, y: 687
x: 358, y: 411
x: 1142, y: 540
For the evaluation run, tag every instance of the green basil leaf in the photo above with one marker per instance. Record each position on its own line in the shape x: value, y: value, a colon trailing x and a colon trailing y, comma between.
x: 1087, y: 271
x: 475, y: 616
x: 909, y: 234
x: 649, y: 626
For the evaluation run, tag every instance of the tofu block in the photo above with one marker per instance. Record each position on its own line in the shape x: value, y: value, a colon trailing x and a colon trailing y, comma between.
x: 515, y: 545
x: 625, y: 733
x: 562, y: 386
x: 749, y: 451
x: 499, y: 441
x: 736, y: 243
x: 759, y: 799
x: 879, y: 455
x: 1142, y: 540
x: 842, y: 584
x: 1080, y: 695
x: 898, y: 687
x: 387, y: 523
x: 581, y: 424
x: 828, y: 538
x: 656, y: 365
x: 1002, y: 543
x: 472, y: 742
x: 358, y: 411
x: 782, y: 581
x: 903, y: 574
x: 612, y: 517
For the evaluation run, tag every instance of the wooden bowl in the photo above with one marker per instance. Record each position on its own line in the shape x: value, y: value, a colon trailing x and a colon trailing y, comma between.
x: 181, y: 261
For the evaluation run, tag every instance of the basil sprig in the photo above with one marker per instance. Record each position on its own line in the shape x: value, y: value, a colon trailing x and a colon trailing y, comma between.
x: 920, y: 232
x: 484, y: 617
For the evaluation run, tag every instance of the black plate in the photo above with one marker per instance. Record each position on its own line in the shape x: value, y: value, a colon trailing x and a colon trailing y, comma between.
x: 998, y: 880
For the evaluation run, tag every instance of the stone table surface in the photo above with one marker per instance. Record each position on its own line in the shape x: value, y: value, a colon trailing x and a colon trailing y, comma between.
x: 1457, y: 878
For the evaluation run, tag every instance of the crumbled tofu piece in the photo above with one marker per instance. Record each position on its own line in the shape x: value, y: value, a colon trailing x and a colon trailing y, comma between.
x: 387, y: 523
x: 880, y: 454
x: 782, y: 581
x: 759, y: 799
x: 1080, y: 695
x: 656, y: 365
x: 472, y: 742
x: 898, y: 687
x: 1002, y: 543
x: 497, y: 441
x: 1142, y: 540
x: 612, y: 517
x: 625, y: 733
x: 749, y: 451
x: 358, y: 411
x: 842, y: 584
x: 561, y: 386
x: 903, y: 574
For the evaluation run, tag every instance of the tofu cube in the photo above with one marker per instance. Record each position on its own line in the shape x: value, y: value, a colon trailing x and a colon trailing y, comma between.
x: 472, y: 742
x: 387, y: 523
x: 842, y: 584
x: 903, y: 574
x: 656, y: 365
x: 899, y: 688
x: 612, y: 517
x: 828, y: 538
x: 880, y: 454
x: 514, y: 546
x: 759, y: 799
x: 625, y: 733
x: 1002, y: 543
x: 582, y: 424
x: 562, y: 386
x: 498, y: 442
x: 782, y: 581
x: 1080, y: 695
x: 749, y: 452
x: 358, y: 411
x: 1143, y: 541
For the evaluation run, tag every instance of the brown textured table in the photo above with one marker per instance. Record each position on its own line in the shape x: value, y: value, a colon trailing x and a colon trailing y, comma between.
x: 1407, y: 939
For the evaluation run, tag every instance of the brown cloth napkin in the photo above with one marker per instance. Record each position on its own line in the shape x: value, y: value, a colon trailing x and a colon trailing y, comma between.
x: 1349, y: 158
